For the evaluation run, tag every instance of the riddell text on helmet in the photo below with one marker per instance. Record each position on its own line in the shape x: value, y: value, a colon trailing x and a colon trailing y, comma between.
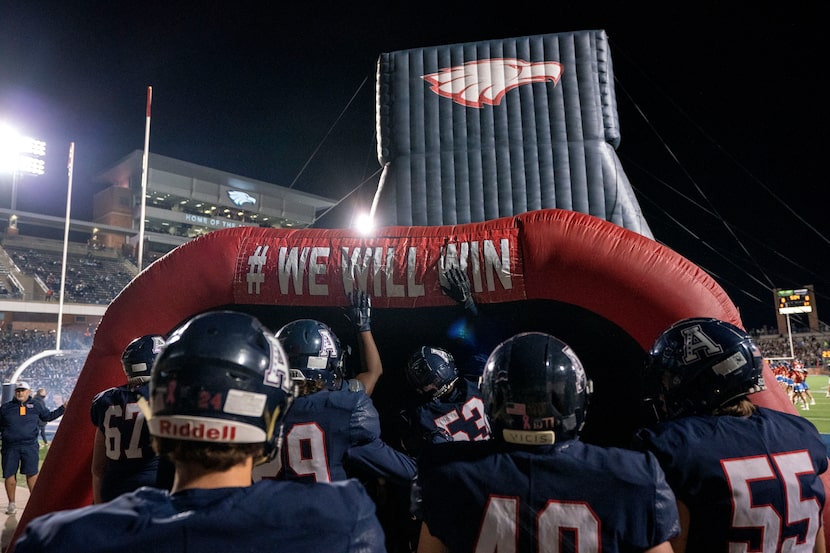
x: 200, y: 431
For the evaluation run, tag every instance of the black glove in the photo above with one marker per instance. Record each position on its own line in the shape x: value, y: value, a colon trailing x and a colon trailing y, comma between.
x: 458, y: 288
x: 359, y: 313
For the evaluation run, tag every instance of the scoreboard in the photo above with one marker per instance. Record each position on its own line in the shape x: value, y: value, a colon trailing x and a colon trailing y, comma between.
x: 794, y: 301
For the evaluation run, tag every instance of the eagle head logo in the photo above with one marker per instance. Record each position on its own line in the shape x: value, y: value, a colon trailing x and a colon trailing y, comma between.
x: 240, y: 198
x: 485, y: 82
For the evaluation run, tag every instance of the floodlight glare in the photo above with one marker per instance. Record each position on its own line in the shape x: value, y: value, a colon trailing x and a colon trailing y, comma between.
x: 8, y: 149
x: 33, y: 147
x: 30, y: 165
x: 8, y: 162
x: 364, y: 224
x: 19, y: 154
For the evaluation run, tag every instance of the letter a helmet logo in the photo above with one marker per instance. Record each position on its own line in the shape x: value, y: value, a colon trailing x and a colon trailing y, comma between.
x: 697, y: 345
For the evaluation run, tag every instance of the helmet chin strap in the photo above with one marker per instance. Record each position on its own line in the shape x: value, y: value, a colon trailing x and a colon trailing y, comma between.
x: 269, y: 453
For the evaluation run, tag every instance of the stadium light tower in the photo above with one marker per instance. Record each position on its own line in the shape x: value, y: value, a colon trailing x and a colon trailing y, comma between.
x: 20, y: 155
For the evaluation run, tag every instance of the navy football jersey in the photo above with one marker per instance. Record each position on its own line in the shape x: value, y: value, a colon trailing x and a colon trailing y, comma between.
x: 750, y: 483
x: 325, y: 430
x: 267, y: 516
x: 131, y: 461
x: 458, y: 418
x: 493, y: 496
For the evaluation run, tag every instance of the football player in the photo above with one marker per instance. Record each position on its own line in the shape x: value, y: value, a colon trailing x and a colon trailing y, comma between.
x: 219, y: 392
x: 333, y: 422
x: 447, y: 408
x: 535, y: 483
x: 746, y: 478
x: 122, y: 455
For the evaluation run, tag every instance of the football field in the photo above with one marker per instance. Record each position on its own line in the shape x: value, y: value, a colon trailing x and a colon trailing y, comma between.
x: 818, y: 414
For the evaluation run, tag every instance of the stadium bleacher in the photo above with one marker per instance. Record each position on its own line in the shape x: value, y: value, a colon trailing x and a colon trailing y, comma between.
x: 30, y: 270
x: 93, y: 276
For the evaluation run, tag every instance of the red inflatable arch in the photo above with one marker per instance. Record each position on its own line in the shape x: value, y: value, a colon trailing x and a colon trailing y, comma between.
x: 557, y: 256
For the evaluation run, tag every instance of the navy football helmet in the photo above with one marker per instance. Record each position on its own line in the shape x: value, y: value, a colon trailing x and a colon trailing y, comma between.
x: 137, y: 358
x: 223, y: 378
x: 431, y: 372
x: 535, y: 390
x: 699, y: 364
x: 314, y: 355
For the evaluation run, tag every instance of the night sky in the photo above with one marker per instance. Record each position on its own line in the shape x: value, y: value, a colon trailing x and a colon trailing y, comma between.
x: 723, y: 109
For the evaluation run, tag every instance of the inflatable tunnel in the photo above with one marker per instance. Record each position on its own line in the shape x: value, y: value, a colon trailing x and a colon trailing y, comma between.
x: 605, y: 290
x: 475, y: 131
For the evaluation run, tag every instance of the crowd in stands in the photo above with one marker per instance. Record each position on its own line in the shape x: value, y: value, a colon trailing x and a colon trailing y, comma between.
x: 89, y: 278
x: 807, y: 348
x: 57, y: 374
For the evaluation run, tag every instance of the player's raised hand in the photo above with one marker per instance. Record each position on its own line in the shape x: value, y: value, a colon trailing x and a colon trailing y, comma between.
x: 458, y: 288
x: 360, y: 311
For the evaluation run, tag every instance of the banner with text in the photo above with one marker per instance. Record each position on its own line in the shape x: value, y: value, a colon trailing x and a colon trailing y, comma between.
x: 396, y: 271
